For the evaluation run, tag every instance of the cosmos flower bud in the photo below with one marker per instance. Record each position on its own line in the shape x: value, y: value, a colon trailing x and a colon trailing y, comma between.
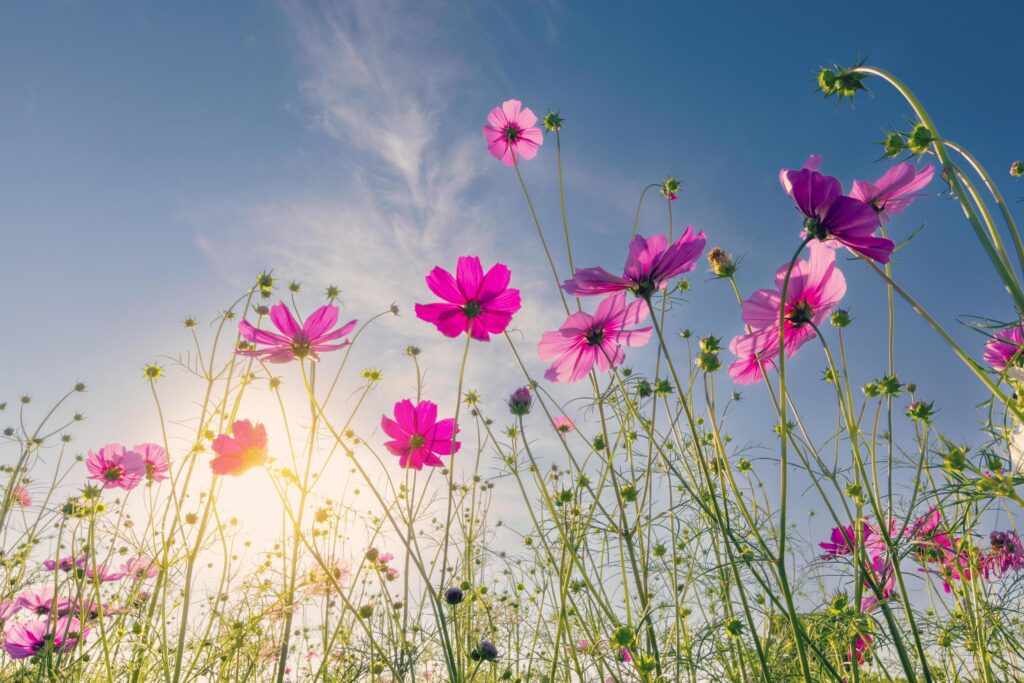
x: 956, y: 459
x: 1017, y: 169
x: 710, y: 344
x: 920, y: 139
x: 553, y: 122
x: 840, y: 318
x: 520, y: 402
x: 894, y: 145
x: 734, y: 627
x: 454, y: 595
x: 708, y: 362
x: 721, y: 263
x: 623, y: 637
x: 484, y: 651
x: 841, y: 82
x: 921, y: 411
x: 670, y: 188
x: 265, y: 282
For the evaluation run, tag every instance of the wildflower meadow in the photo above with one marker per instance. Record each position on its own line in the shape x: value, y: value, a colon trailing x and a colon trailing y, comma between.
x: 595, y: 520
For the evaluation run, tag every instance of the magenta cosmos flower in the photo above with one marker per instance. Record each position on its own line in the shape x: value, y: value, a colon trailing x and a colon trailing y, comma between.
x: 244, y: 449
x: 26, y: 638
x: 417, y: 437
x: 65, y: 564
x: 511, y: 133
x: 296, y: 341
x: 815, y: 287
x: 562, y: 424
x: 650, y: 265
x: 478, y: 303
x: 585, y: 339
x: 1005, y: 347
x: 116, y: 467
x: 831, y: 215
x: 895, y: 190
x: 41, y: 601
x: 155, y: 458
x: 139, y: 568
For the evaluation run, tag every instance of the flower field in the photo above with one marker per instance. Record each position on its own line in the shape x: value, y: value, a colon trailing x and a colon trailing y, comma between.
x: 596, y: 520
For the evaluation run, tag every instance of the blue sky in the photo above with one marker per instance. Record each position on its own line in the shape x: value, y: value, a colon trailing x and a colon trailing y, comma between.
x: 154, y: 157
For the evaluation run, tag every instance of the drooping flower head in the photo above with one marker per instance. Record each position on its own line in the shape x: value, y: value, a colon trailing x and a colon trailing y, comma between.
x: 1006, y: 349
x: 651, y: 263
x: 895, y: 190
x: 584, y: 340
x: 296, y: 341
x: 417, y: 436
x: 829, y: 215
x: 511, y: 133
x: 815, y: 287
x: 244, y: 449
x: 155, y: 458
x: 476, y: 303
x: 116, y: 467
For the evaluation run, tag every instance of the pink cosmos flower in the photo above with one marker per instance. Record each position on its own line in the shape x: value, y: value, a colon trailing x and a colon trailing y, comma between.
x: 155, y: 458
x: 41, y: 601
x: 894, y: 191
x: 477, y: 303
x: 25, y: 638
x: 861, y: 647
x: 1005, y: 555
x: 8, y: 608
x: 103, y: 573
x: 417, y: 437
x: 883, y: 575
x: 139, y: 568
x: 296, y: 341
x: 842, y: 541
x: 68, y: 632
x: 1002, y: 348
x: 650, y: 265
x: 815, y: 287
x: 116, y: 467
x: 831, y: 215
x: 585, y: 339
x: 65, y: 564
x: 244, y: 449
x: 319, y: 582
x: 756, y: 354
x: 511, y: 133
x: 563, y: 425
x: 21, y: 496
